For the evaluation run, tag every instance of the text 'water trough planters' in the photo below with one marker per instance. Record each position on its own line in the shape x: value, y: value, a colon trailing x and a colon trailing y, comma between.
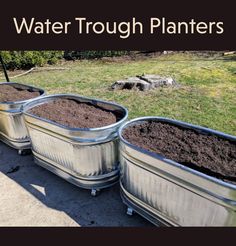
x: 166, y: 192
x: 86, y: 157
x: 12, y: 127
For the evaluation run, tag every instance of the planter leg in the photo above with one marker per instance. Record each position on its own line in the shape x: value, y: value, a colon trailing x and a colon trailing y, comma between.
x: 130, y: 211
x: 94, y: 192
x: 24, y: 151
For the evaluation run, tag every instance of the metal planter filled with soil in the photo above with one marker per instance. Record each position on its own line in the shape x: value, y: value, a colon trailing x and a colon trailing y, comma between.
x: 170, y: 193
x: 12, y: 127
x: 86, y: 157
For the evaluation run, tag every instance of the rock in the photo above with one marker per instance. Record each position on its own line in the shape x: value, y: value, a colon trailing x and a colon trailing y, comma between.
x: 144, y: 82
x: 131, y: 83
x: 158, y: 81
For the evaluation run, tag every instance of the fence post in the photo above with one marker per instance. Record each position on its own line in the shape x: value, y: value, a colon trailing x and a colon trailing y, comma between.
x: 4, y: 69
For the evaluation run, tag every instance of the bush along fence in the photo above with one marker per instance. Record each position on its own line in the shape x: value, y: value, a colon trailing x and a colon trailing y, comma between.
x: 93, y: 54
x: 29, y: 59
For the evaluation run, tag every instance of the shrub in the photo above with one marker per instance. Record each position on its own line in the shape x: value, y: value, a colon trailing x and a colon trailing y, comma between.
x: 29, y: 59
x: 91, y: 54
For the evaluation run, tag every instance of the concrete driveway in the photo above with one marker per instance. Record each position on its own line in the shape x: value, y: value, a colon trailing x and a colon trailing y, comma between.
x: 32, y: 196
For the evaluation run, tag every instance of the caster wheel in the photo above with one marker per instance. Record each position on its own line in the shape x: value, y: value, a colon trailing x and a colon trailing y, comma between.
x: 130, y: 211
x: 24, y: 151
x: 94, y: 192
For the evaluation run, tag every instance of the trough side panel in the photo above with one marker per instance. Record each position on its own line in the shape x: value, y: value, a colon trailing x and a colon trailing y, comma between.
x: 73, y: 157
x: 13, y: 126
x: 176, y: 203
x: 52, y: 148
x: 97, y: 159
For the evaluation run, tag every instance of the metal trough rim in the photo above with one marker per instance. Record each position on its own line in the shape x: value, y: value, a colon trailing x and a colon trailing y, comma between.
x: 169, y: 161
x: 31, y: 104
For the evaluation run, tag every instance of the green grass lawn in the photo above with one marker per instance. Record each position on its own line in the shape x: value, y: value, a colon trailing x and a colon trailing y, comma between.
x: 207, y: 95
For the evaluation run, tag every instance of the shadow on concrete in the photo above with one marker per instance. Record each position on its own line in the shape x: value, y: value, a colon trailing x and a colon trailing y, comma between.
x: 106, y: 209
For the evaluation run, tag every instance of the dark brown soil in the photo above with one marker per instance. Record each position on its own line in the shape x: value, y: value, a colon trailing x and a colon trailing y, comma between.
x: 8, y: 93
x: 74, y: 114
x: 206, y: 153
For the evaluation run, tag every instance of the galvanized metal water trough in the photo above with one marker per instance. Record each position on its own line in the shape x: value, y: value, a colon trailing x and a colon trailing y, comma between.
x: 166, y: 192
x: 12, y: 127
x: 85, y: 157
